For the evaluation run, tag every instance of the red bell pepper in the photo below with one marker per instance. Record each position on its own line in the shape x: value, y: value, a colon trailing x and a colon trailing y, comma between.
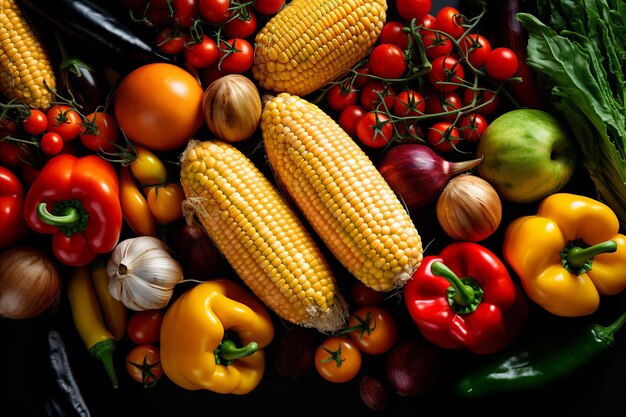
x: 76, y: 199
x: 12, y: 224
x: 465, y: 298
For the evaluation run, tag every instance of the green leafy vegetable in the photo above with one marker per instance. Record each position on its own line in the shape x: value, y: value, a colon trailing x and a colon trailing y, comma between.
x: 577, y: 47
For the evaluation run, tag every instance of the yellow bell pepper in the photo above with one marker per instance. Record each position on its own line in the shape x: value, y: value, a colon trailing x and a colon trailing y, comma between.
x: 568, y: 254
x: 201, y: 332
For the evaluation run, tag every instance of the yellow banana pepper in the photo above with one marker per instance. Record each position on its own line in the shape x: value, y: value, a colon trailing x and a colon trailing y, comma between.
x: 568, y: 254
x: 201, y: 332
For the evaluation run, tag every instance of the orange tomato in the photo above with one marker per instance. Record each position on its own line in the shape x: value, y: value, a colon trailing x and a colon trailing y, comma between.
x: 159, y: 106
x: 375, y: 331
x: 165, y: 202
x: 337, y: 359
x: 143, y: 364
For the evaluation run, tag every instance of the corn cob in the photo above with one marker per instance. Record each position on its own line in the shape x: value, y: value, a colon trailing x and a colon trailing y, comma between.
x: 26, y: 74
x: 260, y: 235
x: 312, y: 42
x: 340, y: 192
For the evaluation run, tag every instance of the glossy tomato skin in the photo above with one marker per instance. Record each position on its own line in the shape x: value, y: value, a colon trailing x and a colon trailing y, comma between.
x: 443, y: 137
x: 393, y: 33
x: 51, y: 143
x: 338, y: 97
x: 449, y: 20
x: 241, y: 28
x: 202, y: 54
x: 387, y: 61
x: 159, y: 106
x: 349, y: 118
x: 100, y: 132
x: 64, y: 120
x: 143, y: 364
x: 477, y: 49
x: 377, y: 329
x: 215, y: 11
x: 374, y: 129
x: 447, y: 73
x: 236, y: 57
x: 409, y: 9
x: 409, y: 103
x: 501, y: 63
x: 338, y: 359
x: 472, y: 127
x: 170, y: 41
x: 165, y: 202
x: 144, y: 327
x: 268, y: 7
x: 36, y: 122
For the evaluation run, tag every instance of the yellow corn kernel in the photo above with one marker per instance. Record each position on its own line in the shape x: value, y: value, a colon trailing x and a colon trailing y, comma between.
x: 312, y: 42
x: 26, y: 74
x: 340, y: 192
x: 260, y: 235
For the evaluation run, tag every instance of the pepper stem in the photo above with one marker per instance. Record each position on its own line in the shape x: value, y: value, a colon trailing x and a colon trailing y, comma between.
x: 463, y: 294
x: 607, y: 333
x: 69, y: 217
x: 103, y: 351
x: 577, y: 257
x: 228, y: 351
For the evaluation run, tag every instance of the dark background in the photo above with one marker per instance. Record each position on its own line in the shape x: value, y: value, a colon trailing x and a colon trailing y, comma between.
x: 27, y: 382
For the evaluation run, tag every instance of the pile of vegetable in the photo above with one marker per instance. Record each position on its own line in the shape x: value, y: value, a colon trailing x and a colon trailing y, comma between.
x: 380, y: 202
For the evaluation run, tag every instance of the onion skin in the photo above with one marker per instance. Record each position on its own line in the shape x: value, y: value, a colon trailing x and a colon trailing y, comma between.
x: 29, y: 282
x: 469, y: 209
x: 374, y: 393
x: 418, y: 175
x: 411, y: 366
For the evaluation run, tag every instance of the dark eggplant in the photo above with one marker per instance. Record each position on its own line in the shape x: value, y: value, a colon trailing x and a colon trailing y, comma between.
x: 103, y: 31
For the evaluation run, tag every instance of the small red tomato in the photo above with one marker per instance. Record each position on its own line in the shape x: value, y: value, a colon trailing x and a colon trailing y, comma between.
x: 443, y: 136
x: 477, y: 48
x: 144, y: 327
x: 215, y: 11
x: 268, y: 7
x: 443, y: 104
x: 387, y: 61
x: 374, y: 129
x: 36, y: 122
x: 236, y: 56
x: 485, y: 101
x: 409, y: 103
x: 371, y: 94
x: 393, y: 33
x: 339, y: 97
x: 435, y: 44
x: 349, y: 117
x: 170, y: 41
x: 202, y: 54
x: 472, y: 127
x: 447, y: 73
x: 410, y: 9
x: 51, y: 143
x: 99, y: 132
x: 64, y: 120
x: 241, y: 28
x: 502, y: 63
x: 449, y: 20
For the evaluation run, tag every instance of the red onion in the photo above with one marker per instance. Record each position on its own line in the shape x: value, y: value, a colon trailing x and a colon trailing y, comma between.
x: 418, y: 175
x: 411, y: 366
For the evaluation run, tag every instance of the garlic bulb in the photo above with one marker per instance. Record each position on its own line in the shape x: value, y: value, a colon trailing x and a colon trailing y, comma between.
x: 143, y: 273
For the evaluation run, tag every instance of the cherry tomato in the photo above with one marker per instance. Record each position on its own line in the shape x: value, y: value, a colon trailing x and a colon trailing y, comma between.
x: 486, y: 99
x: 409, y: 103
x: 268, y: 7
x: 477, y: 48
x: 449, y: 20
x: 215, y: 11
x: 436, y: 44
x: 236, y: 56
x: 339, y: 97
x: 241, y: 28
x: 443, y: 136
x: 143, y: 364
x: 158, y: 18
x: 338, y: 359
x: 144, y: 327
x: 147, y: 168
x: 185, y: 12
x: 393, y: 33
x: 170, y: 41
x: 36, y: 122
x: 371, y: 94
x: 349, y: 117
x: 159, y: 106
x: 374, y: 129
x: 387, y: 61
x: 201, y: 54
x: 444, y: 104
x: 428, y: 21
x: 165, y: 202
x: 410, y: 9
x: 472, y: 127
x: 364, y: 296
x: 99, y: 132
x: 375, y: 329
x: 501, y: 64
x: 51, y: 143
x: 447, y: 73
x: 64, y: 120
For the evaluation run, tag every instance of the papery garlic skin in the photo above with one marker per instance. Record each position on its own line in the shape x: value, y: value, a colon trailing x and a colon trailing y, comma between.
x: 143, y: 273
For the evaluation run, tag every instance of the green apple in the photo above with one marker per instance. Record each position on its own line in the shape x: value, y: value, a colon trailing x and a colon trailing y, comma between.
x: 528, y: 155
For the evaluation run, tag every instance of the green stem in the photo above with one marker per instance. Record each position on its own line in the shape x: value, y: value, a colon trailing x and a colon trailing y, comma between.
x: 577, y: 256
x: 228, y: 351
x: 103, y: 351
x: 464, y: 295
x: 606, y: 334
x: 70, y: 216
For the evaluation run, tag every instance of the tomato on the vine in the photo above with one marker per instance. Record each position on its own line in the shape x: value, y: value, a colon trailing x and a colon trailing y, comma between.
x: 387, y: 61
x: 64, y: 120
x: 371, y: 94
x: 488, y: 100
x: 444, y: 104
x: 374, y: 129
x: 373, y: 329
x: 472, y: 127
x: 201, y: 54
x: 99, y: 132
x: 236, y: 56
x: 410, y: 9
x: 185, y: 12
x: 477, y: 48
x: 268, y: 7
x: 349, y: 117
x: 449, y: 20
x: 144, y: 327
x: 51, y: 143
x: 339, y: 97
x: 215, y: 11
x: 435, y: 44
x: 443, y: 136
x: 362, y: 79
x: 36, y: 122
x: 165, y: 202
x: 170, y: 41
x: 393, y: 33
x: 409, y: 103
x: 502, y: 63
x: 447, y: 73
x: 338, y: 359
x: 241, y: 28
x: 143, y: 364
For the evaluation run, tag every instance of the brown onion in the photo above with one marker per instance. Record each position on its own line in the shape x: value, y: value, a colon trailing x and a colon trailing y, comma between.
x: 29, y: 282
x: 418, y: 175
x: 469, y: 208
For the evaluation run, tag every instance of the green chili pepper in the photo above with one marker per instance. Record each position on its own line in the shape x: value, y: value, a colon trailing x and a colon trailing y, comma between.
x: 541, y: 362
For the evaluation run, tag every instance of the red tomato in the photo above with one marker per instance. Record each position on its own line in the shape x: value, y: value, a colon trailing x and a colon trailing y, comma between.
x: 159, y: 106
x: 51, y: 143
x: 144, y: 327
x: 443, y: 136
x: 201, y: 54
x: 393, y: 33
x: 338, y: 359
x: 443, y: 104
x: 36, y: 122
x: 375, y: 329
x: 185, y: 12
x: 374, y: 129
x: 157, y: 18
x: 10, y: 154
x: 477, y: 48
x: 268, y: 7
x: 349, y: 117
x: 387, y: 61
x: 361, y: 79
x: 487, y: 100
x: 472, y: 127
x: 215, y: 11
x: 99, y: 132
x: 436, y: 44
x: 501, y: 64
x: 371, y: 93
x: 409, y: 9
x: 143, y: 364
x: 236, y: 56
x: 364, y: 296
x: 446, y: 74
x: 64, y: 120
x: 449, y: 20
x: 409, y: 103
x: 339, y: 97
x: 241, y: 28
x: 428, y: 21
x: 170, y: 41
